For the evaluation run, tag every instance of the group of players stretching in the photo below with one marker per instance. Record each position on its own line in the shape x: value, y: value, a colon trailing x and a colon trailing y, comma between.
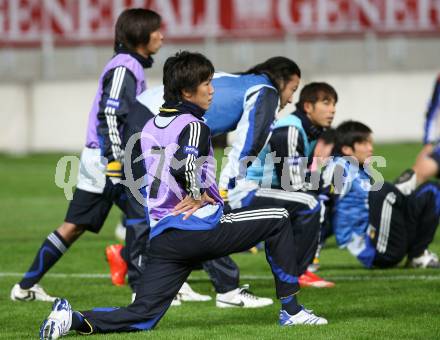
x: 177, y: 219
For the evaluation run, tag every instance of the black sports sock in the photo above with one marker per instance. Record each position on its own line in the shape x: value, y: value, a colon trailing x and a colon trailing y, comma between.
x: 290, y: 305
x: 53, y: 247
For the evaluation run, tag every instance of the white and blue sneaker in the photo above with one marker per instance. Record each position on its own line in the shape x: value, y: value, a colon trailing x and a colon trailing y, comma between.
x: 58, y: 322
x: 303, y: 317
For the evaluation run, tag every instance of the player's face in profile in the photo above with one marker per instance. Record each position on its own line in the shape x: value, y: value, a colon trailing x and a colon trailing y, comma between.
x: 202, y: 96
x: 155, y: 42
x: 288, y: 90
x: 322, y: 112
x: 360, y: 150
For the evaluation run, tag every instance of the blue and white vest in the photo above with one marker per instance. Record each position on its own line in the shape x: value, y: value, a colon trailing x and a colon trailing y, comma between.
x: 260, y: 168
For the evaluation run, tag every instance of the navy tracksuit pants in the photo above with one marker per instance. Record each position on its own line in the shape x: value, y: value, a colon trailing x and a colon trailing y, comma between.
x: 173, y: 254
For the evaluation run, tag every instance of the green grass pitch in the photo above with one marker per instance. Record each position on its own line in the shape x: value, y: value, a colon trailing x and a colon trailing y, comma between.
x: 379, y: 304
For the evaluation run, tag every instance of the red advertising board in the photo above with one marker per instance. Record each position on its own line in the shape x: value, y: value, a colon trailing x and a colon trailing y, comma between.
x: 27, y: 22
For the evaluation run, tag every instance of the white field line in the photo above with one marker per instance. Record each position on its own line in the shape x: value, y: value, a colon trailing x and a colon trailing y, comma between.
x: 252, y: 277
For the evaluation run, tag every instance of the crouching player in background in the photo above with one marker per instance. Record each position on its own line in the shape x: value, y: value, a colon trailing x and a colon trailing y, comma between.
x: 375, y: 222
x: 179, y: 159
x: 292, y: 144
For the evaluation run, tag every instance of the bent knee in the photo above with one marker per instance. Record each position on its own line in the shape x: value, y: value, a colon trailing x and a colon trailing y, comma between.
x: 70, y: 232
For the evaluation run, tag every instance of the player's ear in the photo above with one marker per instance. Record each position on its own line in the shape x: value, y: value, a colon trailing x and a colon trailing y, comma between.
x: 347, y: 150
x: 281, y: 85
x: 186, y: 94
x: 308, y: 107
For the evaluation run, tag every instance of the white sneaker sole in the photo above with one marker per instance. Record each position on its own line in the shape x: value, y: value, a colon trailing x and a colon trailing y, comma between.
x: 223, y: 304
x: 188, y: 298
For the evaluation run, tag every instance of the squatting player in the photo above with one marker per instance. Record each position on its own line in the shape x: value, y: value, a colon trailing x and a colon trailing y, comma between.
x: 178, y: 156
x: 247, y: 102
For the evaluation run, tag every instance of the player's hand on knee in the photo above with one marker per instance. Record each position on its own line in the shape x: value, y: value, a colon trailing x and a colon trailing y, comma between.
x: 189, y: 205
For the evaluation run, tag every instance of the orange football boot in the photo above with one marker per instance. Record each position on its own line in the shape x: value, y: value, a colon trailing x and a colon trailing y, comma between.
x: 309, y: 279
x: 118, y: 267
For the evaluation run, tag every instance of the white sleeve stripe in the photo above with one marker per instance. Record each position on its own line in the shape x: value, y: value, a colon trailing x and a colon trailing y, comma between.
x: 198, y: 129
x: 193, y: 134
x: 116, y: 74
x: 194, y: 188
x: 113, y: 132
x: 294, y: 170
x: 195, y: 128
x: 108, y: 113
x: 108, y: 116
x: 297, y: 169
x: 111, y: 118
x: 117, y: 82
x: 115, y: 127
x: 121, y: 80
x: 289, y: 144
x: 188, y: 160
x: 194, y: 137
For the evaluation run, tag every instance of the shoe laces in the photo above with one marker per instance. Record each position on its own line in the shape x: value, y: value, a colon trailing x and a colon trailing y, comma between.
x: 244, y: 291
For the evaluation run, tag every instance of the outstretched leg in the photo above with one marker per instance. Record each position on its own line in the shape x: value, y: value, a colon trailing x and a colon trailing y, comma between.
x: 159, y: 283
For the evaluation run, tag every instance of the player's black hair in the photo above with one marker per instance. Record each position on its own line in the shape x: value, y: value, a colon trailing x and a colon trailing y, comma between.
x: 134, y: 27
x: 328, y: 136
x: 184, y: 71
x: 314, y: 92
x: 279, y: 70
x: 349, y: 133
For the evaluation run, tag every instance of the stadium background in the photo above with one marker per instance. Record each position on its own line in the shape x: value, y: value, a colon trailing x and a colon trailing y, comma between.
x: 381, y: 55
